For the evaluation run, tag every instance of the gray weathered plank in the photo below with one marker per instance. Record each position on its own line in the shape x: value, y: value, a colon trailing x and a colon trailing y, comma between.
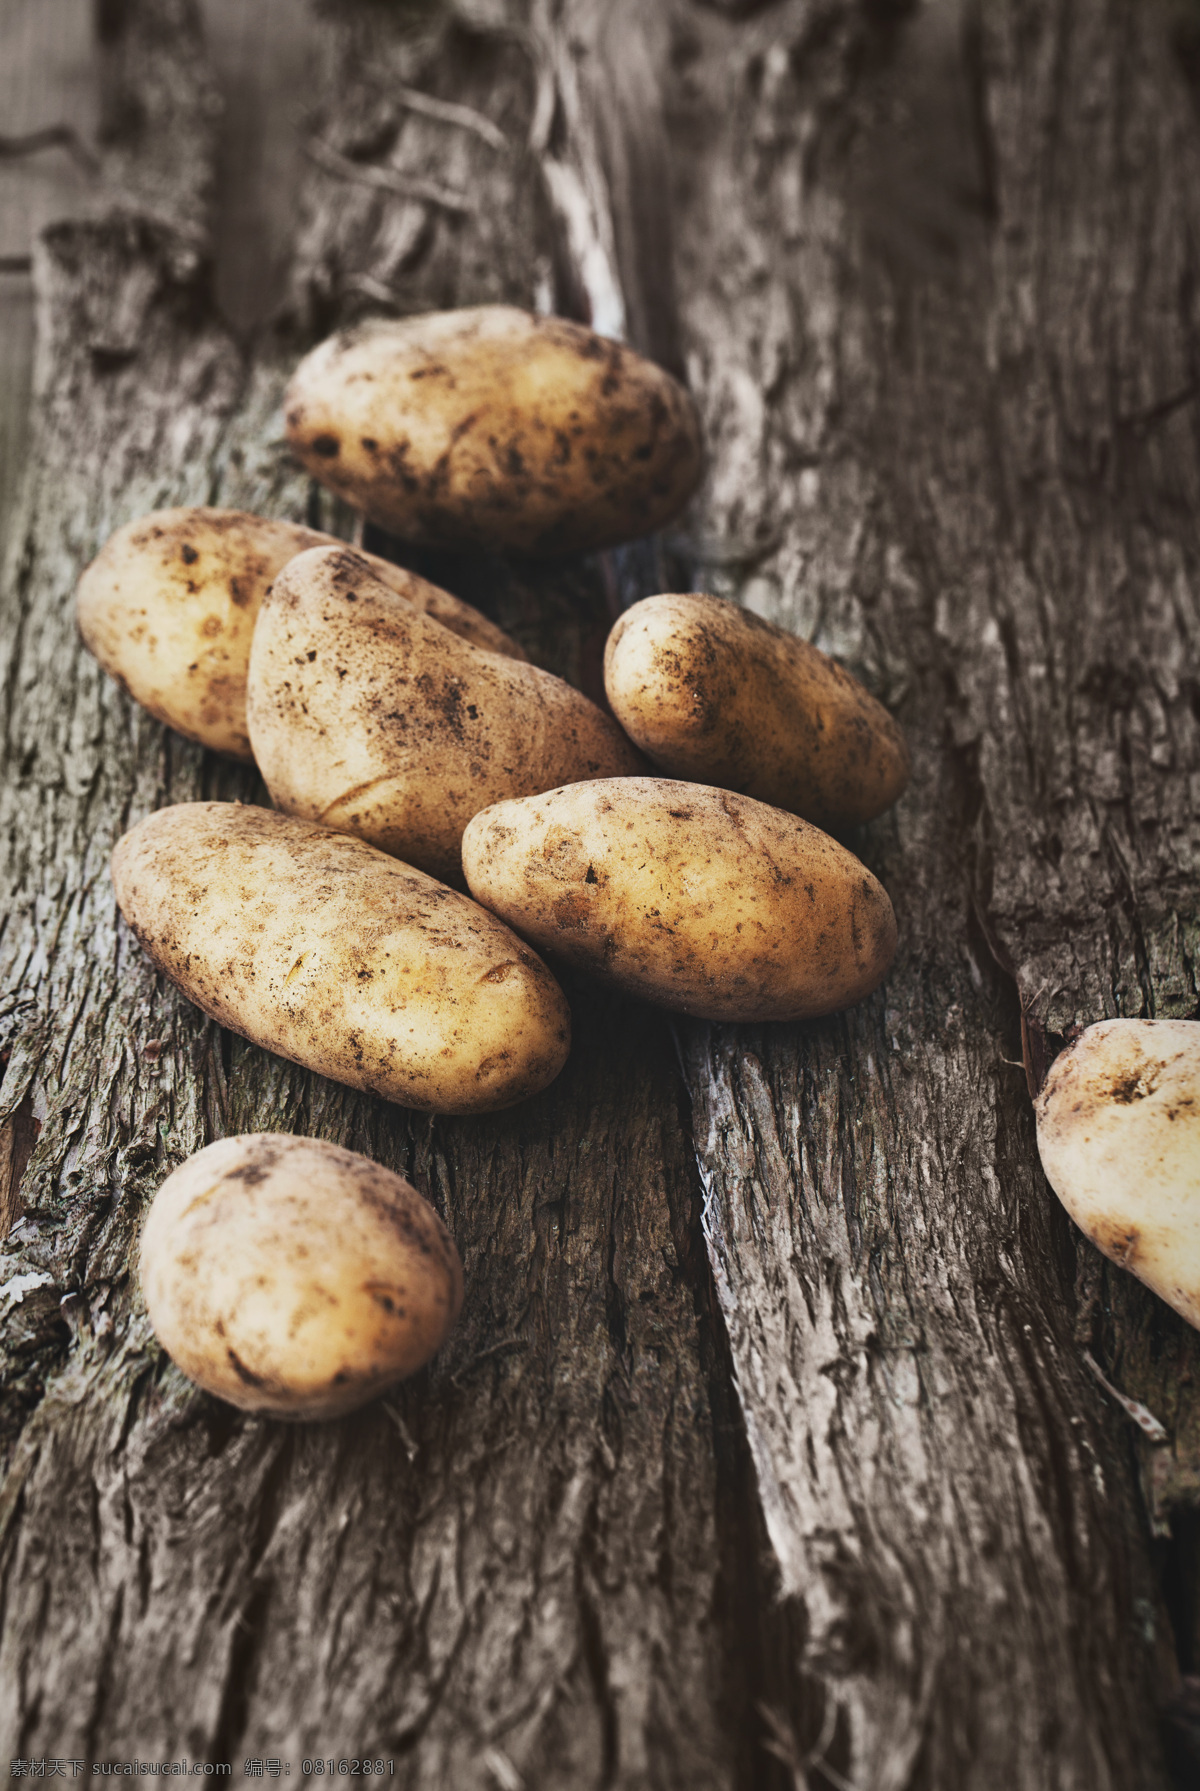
x: 930, y: 357
x: 517, y: 1559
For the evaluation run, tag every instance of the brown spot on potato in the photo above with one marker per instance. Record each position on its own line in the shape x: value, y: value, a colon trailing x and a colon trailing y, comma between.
x: 243, y: 1373
x: 1132, y: 1086
x: 1120, y: 1242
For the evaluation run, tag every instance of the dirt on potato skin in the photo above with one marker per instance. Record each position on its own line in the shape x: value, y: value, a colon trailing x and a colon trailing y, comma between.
x: 341, y: 1279
x: 318, y: 947
x: 372, y: 720
x: 1119, y: 1142
x: 710, y: 691
x: 704, y: 901
x: 169, y: 605
x: 1119, y: 1063
x: 496, y: 427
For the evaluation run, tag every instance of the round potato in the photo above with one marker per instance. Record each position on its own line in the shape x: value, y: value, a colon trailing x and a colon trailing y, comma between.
x: 1118, y: 1127
x: 497, y: 427
x: 699, y: 899
x: 368, y: 717
x: 168, y: 607
x: 330, y: 953
x: 294, y: 1278
x: 711, y: 693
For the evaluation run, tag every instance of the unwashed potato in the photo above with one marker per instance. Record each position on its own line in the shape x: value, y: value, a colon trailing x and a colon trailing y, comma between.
x: 497, y: 427
x: 294, y: 1278
x: 711, y: 693
x: 696, y: 898
x: 168, y: 607
x: 1118, y: 1126
x: 368, y: 717
x: 334, y: 955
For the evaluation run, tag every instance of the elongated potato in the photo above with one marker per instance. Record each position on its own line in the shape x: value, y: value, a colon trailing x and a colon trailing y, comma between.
x: 168, y: 607
x: 711, y: 693
x: 330, y: 953
x: 296, y: 1279
x: 497, y: 427
x: 1118, y: 1126
x: 696, y: 898
x: 371, y: 719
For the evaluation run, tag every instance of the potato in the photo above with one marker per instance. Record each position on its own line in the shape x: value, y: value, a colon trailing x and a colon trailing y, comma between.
x: 711, y: 693
x: 168, y: 607
x: 340, y: 958
x: 496, y: 427
x: 368, y: 717
x: 699, y: 899
x: 294, y: 1278
x: 1118, y: 1128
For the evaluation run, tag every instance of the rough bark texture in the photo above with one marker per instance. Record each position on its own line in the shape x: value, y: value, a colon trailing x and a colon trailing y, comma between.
x: 965, y: 478
x: 767, y: 1444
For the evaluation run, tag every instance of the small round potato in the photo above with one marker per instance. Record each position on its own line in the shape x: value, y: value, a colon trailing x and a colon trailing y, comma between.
x: 711, y: 693
x: 330, y: 953
x: 371, y: 719
x: 696, y: 898
x: 1118, y: 1126
x: 497, y: 427
x: 296, y: 1279
x: 168, y: 607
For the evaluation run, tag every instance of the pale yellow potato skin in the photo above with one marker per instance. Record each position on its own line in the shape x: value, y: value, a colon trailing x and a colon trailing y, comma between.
x: 293, y: 1278
x: 340, y: 958
x: 1118, y: 1128
x: 712, y: 693
x: 368, y: 717
x: 498, y: 427
x: 698, y: 899
x: 168, y: 607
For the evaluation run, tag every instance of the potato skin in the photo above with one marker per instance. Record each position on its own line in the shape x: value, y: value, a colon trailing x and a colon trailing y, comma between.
x: 495, y: 426
x: 168, y: 607
x: 1118, y: 1127
x: 328, y: 952
x: 371, y: 719
x: 712, y: 693
x: 698, y: 899
x: 296, y: 1279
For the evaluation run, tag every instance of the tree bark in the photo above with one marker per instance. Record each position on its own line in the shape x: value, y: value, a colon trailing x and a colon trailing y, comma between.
x: 767, y: 1450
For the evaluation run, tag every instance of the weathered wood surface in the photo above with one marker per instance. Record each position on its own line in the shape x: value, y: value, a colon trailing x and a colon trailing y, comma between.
x: 768, y: 1420
x: 967, y: 480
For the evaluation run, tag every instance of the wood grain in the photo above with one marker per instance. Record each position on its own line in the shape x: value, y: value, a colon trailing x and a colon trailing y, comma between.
x: 517, y: 1560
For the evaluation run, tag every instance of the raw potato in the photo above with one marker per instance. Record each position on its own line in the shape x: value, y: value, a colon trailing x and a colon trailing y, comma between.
x: 168, y: 607
x: 497, y: 427
x: 371, y: 719
x: 696, y: 898
x: 1118, y: 1124
x: 332, y: 954
x: 294, y: 1278
x: 711, y: 693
